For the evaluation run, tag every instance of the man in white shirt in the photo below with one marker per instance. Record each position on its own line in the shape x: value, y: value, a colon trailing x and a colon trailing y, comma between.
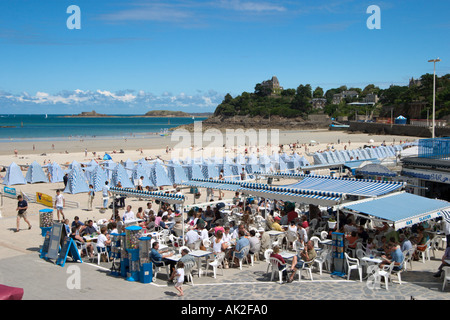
x: 60, y: 203
x: 128, y: 215
x: 191, y: 237
x: 303, y: 236
x: 105, y: 193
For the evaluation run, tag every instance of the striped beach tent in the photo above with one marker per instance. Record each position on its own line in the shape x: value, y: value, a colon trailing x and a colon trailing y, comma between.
x: 98, y: 178
x: 77, y: 181
x: 119, y: 174
x: 129, y: 166
x: 159, y: 176
x: 56, y: 172
x: 35, y: 173
x: 13, y: 175
x: 209, y: 171
x: 141, y: 171
x: 176, y: 173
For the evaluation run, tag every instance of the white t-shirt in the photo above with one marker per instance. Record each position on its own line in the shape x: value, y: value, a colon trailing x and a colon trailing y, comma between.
x: 191, y: 237
x: 105, y: 190
x: 180, y: 272
x: 303, y: 235
x: 60, y: 200
x: 226, y: 237
x: 101, y: 240
x: 204, y: 234
x: 217, y: 246
x: 128, y: 215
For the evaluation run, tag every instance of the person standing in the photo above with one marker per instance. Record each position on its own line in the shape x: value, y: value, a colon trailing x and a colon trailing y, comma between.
x: 91, y: 195
x: 65, y: 179
x: 60, y: 203
x: 21, y: 209
x: 105, y: 193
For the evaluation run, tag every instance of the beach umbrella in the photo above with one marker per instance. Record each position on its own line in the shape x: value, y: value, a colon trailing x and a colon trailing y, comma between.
x: 107, y: 157
x: 13, y: 175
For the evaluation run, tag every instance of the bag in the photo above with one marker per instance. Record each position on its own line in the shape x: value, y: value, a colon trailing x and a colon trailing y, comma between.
x: 422, y: 247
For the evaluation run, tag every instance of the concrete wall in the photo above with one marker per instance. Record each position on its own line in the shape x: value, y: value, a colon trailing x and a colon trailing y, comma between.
x: 397, y: 129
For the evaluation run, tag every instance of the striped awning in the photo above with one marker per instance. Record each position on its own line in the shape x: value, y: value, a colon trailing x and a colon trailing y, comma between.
x: 312, y: 198
x: 348, y: 186
x: 401, y: 208
x: 213, y: 184
x: 166, y: 197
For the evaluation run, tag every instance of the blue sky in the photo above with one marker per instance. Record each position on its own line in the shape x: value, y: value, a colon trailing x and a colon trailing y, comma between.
x: 138, y: 55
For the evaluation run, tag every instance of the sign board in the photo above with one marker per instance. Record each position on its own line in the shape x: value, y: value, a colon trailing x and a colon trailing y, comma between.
x: 68, y: 248
x: 55, y: 239
x: 435, y: 176
x: 44, y: 199
x: 10, y: 191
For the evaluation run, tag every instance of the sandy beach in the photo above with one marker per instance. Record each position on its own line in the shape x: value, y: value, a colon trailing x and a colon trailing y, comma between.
x: 152, y: 147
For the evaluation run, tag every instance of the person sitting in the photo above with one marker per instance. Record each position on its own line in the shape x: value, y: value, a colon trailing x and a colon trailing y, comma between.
x: 444, y: 263
x: 76, y: 235
x: 157, y: 258
x: 103, y: 240
x: 128, y: 214
x: 218, y: 245
x: 276, y: 224
x: 151, y: 225
x: 226, y: 234
x: 282, y: 264
x: 76, y: 220
x: 240, y: 244
x: 306, y: 255
x: 395, y: 255
x: 89, y: 229
x: 352, y: 240
x: 255, y: 243
x: 191, y: 237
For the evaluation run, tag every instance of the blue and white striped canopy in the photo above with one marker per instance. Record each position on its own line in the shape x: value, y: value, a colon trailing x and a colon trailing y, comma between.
x: 348, y: 186
x: 403, y: 209
x: 213, y: 184
x: 166, y: 197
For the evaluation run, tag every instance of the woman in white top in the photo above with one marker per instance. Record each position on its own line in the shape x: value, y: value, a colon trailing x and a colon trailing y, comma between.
x: 103, y: 240
x: 292, y: 227
x: 218, y: 244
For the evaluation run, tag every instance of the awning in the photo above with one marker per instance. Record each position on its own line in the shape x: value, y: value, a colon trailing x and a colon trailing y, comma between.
x: 347, y: 186
x: 213, y: 184
x: 313, y: 198
x: 401, y: 208
x: 166, y: 197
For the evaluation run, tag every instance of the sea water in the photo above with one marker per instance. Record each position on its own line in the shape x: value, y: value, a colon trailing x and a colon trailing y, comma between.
x: 20, y: 127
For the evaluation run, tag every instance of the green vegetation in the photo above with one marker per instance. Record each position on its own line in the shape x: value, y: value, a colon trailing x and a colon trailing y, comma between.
x: 290, y: 103
x: 263, y: 102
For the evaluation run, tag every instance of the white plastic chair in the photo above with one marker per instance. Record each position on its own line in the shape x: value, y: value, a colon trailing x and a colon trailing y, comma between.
x: 446, y: 276
x: 244, y: 251
x: 385, y: 272
x: 274, y: 262
x: 307, y: 266
x: 254, y: 254
x: 99, y: 251
x: 316, y: 241
x: 323, y: 235
x: 188, y: 266
x: 156, y: 269
x: 399, y: 272
x: 207, y: 244
x: 353, y: 264
x: 425, y: 255
x: 321, y: 260
x: 216, y: 263
x: 267, y: 254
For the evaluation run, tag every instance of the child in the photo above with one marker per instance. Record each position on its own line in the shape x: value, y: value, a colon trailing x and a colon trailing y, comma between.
x: 179, y: 272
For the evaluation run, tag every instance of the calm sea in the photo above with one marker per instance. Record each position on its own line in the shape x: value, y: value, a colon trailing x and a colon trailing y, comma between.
x: 46, y: 127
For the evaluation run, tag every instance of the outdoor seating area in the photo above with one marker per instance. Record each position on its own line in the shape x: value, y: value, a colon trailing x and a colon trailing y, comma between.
x: 281, y: 240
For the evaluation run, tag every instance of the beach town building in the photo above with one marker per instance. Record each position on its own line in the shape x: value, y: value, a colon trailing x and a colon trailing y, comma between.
x: 318, y: 103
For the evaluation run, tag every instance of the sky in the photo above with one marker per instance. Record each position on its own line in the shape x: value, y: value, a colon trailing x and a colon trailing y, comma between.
x: 132, y: 56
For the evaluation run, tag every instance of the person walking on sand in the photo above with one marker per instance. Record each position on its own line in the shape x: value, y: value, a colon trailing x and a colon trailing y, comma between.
x: 91, y: 195
x: 21, y: 209
x: 60, y: 203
